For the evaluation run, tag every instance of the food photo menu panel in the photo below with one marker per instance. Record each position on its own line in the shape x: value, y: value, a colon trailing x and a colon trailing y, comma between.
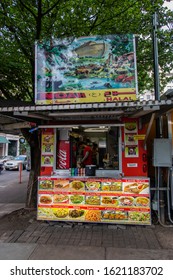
x: 47, y: 144
x: 123, y: 201
x: 131, y: 145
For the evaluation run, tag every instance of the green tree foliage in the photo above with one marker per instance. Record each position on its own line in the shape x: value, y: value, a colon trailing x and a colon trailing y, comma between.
x: 24, y: 21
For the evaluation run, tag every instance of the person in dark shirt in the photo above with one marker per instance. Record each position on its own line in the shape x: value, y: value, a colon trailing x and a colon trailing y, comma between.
x: 87, y: 154
x: 95, y: 154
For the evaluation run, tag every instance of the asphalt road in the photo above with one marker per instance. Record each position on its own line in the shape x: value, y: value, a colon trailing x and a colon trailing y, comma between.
x: 11, y: 190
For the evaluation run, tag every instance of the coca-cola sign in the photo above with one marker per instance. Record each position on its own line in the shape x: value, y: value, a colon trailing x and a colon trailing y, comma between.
x: 63, y: 155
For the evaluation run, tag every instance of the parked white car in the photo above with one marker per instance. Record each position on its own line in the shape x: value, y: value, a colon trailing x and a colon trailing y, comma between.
x: 15, y: 164
x: 3, y: 159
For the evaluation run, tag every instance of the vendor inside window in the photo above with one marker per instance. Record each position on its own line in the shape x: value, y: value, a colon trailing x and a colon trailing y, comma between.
x: 83, y: 146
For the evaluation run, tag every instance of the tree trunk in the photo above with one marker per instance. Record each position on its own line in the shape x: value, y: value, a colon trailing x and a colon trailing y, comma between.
x: 34, y: 142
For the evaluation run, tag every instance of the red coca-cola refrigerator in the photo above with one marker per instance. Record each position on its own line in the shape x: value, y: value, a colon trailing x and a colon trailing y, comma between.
x: 63, y: 154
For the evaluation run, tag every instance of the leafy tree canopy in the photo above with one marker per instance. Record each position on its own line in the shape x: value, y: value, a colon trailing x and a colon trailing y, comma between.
x: 22, y: 22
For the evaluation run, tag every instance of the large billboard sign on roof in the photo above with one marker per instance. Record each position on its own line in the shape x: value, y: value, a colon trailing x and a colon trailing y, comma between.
x: 85, y: 70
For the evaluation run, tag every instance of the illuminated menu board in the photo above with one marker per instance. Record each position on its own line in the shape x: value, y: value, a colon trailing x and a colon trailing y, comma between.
x: 98, y: 200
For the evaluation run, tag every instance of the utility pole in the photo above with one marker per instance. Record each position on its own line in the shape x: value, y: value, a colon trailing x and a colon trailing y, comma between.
x: 155, y: 57
x: 161, y: 201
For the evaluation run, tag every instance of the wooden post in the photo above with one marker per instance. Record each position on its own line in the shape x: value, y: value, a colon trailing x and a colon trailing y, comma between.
x: 20, y: 172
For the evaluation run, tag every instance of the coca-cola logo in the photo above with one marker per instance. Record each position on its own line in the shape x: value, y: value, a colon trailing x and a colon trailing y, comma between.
x: 62, y: 159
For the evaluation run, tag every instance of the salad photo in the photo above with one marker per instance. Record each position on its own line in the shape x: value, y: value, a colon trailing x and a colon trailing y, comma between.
x: 76, y: 199
x: 139, y: 216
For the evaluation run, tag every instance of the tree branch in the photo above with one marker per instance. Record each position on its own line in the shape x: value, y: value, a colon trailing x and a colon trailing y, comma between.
x: 51, y: 8
x: 5, y: 92
x: 12, y: 29
x: 27, y: 8
x: 107, y: 19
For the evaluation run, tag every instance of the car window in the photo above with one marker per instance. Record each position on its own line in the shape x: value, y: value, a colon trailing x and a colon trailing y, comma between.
x: 20, y: 158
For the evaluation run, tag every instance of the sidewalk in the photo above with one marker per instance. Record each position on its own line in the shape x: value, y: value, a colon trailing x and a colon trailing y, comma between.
x: 18, y: 251
x: 76, y: 241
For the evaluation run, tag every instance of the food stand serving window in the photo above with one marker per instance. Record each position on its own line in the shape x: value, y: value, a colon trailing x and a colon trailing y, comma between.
x: 104, y: 142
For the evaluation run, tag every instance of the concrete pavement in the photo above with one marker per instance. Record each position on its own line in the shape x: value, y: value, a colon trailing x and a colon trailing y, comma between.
x: 67, y: 241
x: 16, y: 251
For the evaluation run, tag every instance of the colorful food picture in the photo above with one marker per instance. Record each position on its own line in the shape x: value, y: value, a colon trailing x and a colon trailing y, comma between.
x: 44, y: 213
x: 46, y: 185
x: 130, y: 140
x: 92, y: 186
x: 139, y: 216
x: 47, y: 160
x: 77, y: 214
x: 60, y: 213
x: 131, y: 127
x: 46, y: 138
x: 61, y: 185
x: 47, y: 148
x: 92, y: 200
x: 131, y: 151
x: 104, y: 200
x: 93, y: 215
x: 109, y: 200
x: 77, y: 185
x: 136, y: 188
x: 142, y: 201
x: 126, y: 201
x: 111, y: 186
x: 45, y: 199
x: 60, y: 198
x: 114, y: 215
x: 77, y: 199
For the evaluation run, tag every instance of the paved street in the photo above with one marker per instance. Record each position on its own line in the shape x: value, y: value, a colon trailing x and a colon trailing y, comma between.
x: 11, y: 190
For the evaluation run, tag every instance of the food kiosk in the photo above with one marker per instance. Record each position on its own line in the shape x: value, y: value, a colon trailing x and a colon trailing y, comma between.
x: 91, y: 70
x: 119, y: 191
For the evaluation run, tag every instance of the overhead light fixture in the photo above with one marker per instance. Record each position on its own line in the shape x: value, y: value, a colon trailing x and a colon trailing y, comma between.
x: 102, y: 126
x: 96, y: 129
x: 59, y: 126
x: 93, y: 113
